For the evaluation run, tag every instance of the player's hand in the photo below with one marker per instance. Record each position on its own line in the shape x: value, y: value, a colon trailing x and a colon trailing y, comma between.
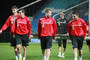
x: 14, y: 36
x: 85, y: 38
x: 55, y: 38
x: 29, y: 37
x: 0, y: 31
x: 67, y: 34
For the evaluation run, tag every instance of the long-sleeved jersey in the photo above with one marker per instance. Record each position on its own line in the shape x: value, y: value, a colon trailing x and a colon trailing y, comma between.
x: 47, y: 27
x: 10, y: 22
x: 77, y: 27
x: 62, y: 26
x: 23, y: 26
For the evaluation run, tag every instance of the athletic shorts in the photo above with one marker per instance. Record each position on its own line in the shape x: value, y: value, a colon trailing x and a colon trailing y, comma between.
x: 77, y: 42
x: 88, y: 42
x: 22, y: 39
x: 12, y: 40
x: 46, y: 42
x: 62, y: 41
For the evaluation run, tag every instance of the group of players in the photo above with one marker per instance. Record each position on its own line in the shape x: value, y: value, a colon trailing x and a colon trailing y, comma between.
x: 48, y: 29
x: 20, y: 29
x: 77, y: 29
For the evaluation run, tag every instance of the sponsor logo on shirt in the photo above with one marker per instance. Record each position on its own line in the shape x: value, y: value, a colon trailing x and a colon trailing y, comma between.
x: 73, y: 26
x: 48, y: 21
x: 21, y: 22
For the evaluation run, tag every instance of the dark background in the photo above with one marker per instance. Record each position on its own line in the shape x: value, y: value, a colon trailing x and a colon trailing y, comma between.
x: 5, y: 8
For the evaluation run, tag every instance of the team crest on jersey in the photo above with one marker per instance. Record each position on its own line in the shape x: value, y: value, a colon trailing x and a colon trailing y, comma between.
x: 80, y: 24
x: 51, y: 22
x: 43, y: 25
x: 48, y: 21
x: 13, y: 19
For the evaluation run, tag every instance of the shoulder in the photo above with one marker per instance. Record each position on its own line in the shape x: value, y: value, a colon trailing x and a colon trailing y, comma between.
x: 52, y: 19
x: 27, y: 18
x: 11, y: 16
x: 81, y: 20
x: 42, y: 18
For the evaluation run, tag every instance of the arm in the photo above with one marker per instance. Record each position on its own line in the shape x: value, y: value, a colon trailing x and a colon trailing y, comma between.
x: 39, y: 30
x: 6, y: 25
x: 84, y: 27
x: 55, y: 28
x: 69, y: 29
x: 29, y: 28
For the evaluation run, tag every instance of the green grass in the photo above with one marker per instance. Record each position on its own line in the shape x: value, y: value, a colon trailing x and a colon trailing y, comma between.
x: 34, y: 52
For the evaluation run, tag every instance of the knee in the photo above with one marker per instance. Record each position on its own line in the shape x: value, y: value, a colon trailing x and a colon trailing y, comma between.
x: 24, y: 48
x: 18, y: 47
x: 15, y: 49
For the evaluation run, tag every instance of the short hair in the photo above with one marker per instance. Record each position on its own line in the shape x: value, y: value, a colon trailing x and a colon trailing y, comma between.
x: 76, y: 13
x: 47, y: 10
x: 14, y: 7
x: 62, y: 13
x: 22, y: 10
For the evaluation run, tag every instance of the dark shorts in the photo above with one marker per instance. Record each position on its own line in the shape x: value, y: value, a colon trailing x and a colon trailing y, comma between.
x: 12, y: 40
x: 46, y: 42
x: 88, y: 42
x: 77, y: 42
x: 22, y: 39
x: 62, y: 41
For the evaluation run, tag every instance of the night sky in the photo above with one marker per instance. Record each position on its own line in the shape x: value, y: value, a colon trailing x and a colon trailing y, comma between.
x: 5, y: 7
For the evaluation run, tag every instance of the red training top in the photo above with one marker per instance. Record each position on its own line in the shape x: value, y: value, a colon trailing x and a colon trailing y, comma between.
x: 77, y: 27
x: 23, y: 26
x: 47, y: 27
x: 10, y: 22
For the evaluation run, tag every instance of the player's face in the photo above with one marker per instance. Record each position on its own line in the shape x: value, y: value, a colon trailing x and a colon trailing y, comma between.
x: 48, y: 14
x: 74, y: 16
x: 14, y: 10
x: 62, y: 15
x: 21, y: 13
